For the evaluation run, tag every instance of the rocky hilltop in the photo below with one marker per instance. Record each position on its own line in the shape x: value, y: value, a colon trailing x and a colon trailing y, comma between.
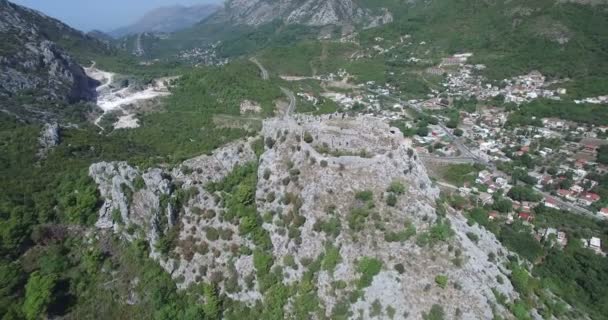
x: 335, y: 209
x: 308, y: 12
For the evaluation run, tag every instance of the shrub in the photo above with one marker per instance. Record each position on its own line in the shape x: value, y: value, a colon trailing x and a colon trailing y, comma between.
x: 436, y: 313
x: 400, y: 236
x: 369, y: 268
x: 308, y: 137
x: 331, y: 259
x: 442, y: 281
x: 357, y: 218
x: 331, y: 227
x: 290, y: 261
x: 391, y: 200
x: 473, y: 237
x: 323, y: 163
x: 139, y: 183
x: 365, y: 195
x: 396, y: 187
x: 212, y: 234
x: 269, y: 142
x: 226, y: 234
x: 400, y: 268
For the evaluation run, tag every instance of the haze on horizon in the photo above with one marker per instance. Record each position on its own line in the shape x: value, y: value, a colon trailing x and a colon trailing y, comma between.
x: 104, y: 15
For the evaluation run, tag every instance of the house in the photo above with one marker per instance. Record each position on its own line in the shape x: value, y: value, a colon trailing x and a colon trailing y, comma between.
x: 577, y: 189
x: 486, y: 198
x: 595, y: 244
x: 562, y: 238
x: 509, y: 218
x: 563, y: 192
x: 526, y: 216
x: 588, y: 198
x: 603, y: 212
x: 551, y: 203
x: 569, y: 195
x: 493, y: 215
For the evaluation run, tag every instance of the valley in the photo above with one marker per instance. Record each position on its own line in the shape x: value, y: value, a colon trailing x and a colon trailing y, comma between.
x: 307, y: 160
x: 123, y: 101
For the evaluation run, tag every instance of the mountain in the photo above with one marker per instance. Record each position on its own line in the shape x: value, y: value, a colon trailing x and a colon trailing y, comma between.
x: 36, y: 67
x: 100, y: 35
x: 307, y: 12
x: 168, y: 19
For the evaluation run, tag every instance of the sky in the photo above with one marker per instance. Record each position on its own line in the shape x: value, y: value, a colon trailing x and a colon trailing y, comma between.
x: 104, y: 15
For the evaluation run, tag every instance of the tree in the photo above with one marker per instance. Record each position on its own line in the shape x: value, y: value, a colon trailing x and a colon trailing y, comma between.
x: 503, y: 205
x: 453, y: 122
x: 212, y: 307
x: 422, y: 131
x: 458, y: 132
x: 602, y: 154
x: 38, y: 295
x: 521, y: 193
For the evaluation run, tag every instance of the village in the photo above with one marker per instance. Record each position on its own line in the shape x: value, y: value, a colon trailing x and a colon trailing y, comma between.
x: 545, y: 162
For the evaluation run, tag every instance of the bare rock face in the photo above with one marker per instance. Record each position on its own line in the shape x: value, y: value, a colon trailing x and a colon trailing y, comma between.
x: 330, y: 163
x: 33, y: 65
x: 49, y: 138
x: 157, y: 200
x: 340, y: 193
x: 308, y: 12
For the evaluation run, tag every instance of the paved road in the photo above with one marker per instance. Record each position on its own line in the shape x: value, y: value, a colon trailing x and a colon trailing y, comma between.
x: 567, y: 205
x: 455, y: 160
x: 263, y: 70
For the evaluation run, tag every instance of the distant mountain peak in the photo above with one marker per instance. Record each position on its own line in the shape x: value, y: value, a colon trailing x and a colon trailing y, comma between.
x: 168, y: 19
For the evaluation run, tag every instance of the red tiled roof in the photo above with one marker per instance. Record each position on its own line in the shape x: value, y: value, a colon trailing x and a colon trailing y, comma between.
x: 590, y: 196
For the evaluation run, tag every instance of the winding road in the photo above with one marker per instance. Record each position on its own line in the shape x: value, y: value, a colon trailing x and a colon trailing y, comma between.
x: 292, y: 98
x: 264, y: 72
x: 292, y: 101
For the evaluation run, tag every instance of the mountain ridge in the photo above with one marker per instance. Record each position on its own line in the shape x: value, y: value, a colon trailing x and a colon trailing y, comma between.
x: 167, y: 19
x: 308, y: 12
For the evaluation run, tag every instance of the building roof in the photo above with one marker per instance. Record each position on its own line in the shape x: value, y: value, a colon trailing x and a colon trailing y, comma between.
x: 590, y: 196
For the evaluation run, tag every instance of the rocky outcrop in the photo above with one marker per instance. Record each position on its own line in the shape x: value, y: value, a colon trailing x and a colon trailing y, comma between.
x: 348, y: 188
x: 49, y: 139
x: 308, y: 12
x: 329, y: 161
x: 32, y: 66
x: 157, y: 199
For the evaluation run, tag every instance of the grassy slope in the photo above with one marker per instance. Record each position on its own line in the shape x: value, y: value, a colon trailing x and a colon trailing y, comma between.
x: 511, y: 42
